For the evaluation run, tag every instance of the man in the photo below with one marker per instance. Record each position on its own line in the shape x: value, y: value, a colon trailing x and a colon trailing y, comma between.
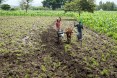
x: 79, y: 29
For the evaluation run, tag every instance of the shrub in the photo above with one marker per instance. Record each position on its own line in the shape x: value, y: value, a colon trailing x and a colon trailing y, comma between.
x: 5, y: 7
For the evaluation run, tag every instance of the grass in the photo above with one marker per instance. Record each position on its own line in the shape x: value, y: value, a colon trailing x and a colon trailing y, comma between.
x: 35, y: 13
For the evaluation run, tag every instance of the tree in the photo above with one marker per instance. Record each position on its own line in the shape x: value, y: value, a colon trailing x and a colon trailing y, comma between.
x: 100, y: 5
x: 70, y: 6
x: 24, y: 4
x: 5, y: 7
x: 1, y: 1
x: 87, y: 5
x: 108, y: 6
x: 80, y: 5
x: 46, y: 3
x: 54, y: 4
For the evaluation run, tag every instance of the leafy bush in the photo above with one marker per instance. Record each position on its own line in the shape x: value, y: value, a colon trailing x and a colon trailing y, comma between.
x: 5, y: 7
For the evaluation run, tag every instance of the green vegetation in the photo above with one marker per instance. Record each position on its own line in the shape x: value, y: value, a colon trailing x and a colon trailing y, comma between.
x: 101, y: 21
x: 35, y: 13
x: 1, y: 1
x: 104, y: 72
x: 78, y: 6
x: 54, y: 4
x: 108, y: 6
x: 5, y: 7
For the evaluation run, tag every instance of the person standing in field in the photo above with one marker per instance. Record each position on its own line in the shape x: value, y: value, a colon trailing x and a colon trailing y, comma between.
x: 59, y: 30
x: 79, y: 30
x: 58, y: 23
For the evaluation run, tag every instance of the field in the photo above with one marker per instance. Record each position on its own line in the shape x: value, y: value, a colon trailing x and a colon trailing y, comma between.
x: 102, y: 22
x: 28, y: 49
x: 35, y: 13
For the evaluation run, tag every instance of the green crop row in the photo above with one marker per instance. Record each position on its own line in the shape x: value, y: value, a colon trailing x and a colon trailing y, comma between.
x: 35, y: 13
x: 101, y: 21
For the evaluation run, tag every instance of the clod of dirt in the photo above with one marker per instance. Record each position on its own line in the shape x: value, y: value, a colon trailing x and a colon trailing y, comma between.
x: 38, y: 67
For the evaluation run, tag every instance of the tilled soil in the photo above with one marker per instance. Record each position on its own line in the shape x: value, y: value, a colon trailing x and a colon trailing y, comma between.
x: 96, y: 58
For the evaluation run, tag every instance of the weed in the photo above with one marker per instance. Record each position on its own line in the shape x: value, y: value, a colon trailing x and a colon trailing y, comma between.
x: 47, y: 59
x: 27, y: 76
x: 56, y: 64
x: 67, y: 47
x: 93, y: 62
x: 43, y: 68
x: 104, y: 72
